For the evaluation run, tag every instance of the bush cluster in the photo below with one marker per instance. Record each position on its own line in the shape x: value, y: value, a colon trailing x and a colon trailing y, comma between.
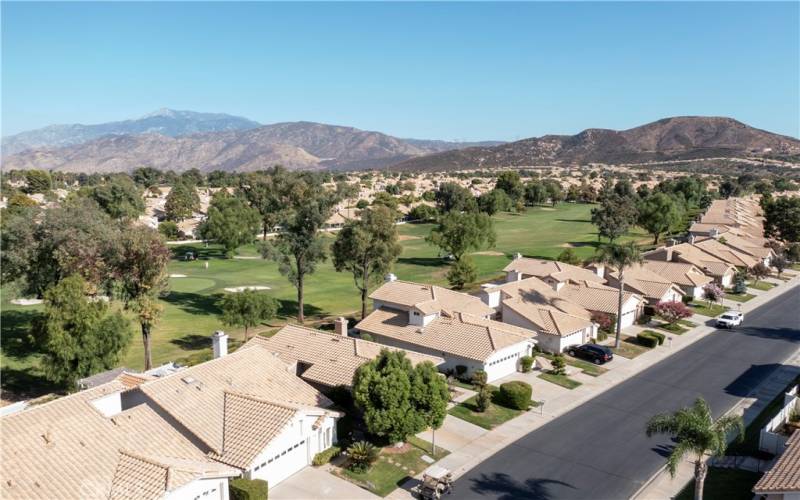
x: 647, y: 339
x: 516, y: 395
x: 526, y: 363
x: 248, y: 489
x: 326, y: 456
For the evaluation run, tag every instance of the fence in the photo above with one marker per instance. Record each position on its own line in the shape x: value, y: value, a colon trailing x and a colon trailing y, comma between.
x: 770, y: 439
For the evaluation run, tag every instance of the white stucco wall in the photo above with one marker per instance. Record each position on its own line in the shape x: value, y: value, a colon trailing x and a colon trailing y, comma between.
x: 109, y: 405
x: 506, y: 361
x: 201, y: 489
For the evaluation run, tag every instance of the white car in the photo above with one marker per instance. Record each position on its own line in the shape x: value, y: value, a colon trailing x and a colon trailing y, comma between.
x: 730, y: 319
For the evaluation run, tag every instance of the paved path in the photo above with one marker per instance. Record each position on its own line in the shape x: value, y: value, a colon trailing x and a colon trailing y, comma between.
x: 599, y: 450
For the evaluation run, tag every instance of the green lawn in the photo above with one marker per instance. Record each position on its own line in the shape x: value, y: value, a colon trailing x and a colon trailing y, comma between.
x: 586, y: 367
x: 761, y: 285
x: 675, y: 328
x: 494, y: 415
x: 704, y: 308
x: 561, y: 380
x: 629, y: 348
x: 387, y: 473
x: 191, y: 314
x: 724, y: 484
x: 739, y: 297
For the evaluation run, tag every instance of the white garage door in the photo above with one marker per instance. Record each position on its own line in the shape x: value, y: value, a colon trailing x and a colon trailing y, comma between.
x: 628, y: 318
x: 282, y: 465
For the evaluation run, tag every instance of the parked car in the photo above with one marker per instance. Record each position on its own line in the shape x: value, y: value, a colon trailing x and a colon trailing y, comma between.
x: 730, y: 319
x: 597, y: 354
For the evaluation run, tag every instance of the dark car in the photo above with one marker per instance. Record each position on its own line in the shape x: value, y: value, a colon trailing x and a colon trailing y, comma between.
x: 597, y: 354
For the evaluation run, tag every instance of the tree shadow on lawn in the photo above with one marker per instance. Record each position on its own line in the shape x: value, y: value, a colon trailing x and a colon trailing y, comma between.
x: 288, y: 309
x: 423, y: 261
x: 26, y: 383
x: 192, y: 342
x: 582, y: 221
x: 504, y: 487
x: 195, y: 303
x: 199, y: 250
x: 17, y: 339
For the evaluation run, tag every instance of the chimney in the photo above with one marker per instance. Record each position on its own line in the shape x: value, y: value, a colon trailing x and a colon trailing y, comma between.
x: 517, y: 256
x: 341, y: 326
x: 691, y: 239
x: 390, y: 278
x: 220, y: 341
x: 599, y: 269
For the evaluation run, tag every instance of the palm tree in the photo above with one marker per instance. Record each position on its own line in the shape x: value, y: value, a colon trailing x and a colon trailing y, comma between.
x: 696, y: 432
x: 619, y: 257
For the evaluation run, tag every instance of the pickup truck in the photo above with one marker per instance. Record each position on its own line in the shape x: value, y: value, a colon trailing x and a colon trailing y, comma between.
x: 730, y: 319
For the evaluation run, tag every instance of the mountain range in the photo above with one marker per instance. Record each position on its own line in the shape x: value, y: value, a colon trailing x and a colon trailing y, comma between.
x: 180, y: 140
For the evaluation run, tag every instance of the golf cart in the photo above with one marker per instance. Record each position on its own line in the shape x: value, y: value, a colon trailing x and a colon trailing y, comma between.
x: 436, y: 481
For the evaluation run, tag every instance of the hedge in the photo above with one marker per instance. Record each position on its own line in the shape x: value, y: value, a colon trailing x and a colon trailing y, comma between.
x: 647, y: 340
x: 526, y: 363
x: 516, y: 395
x: 248, y: 489
x: 659, y: 336
x: 325, y: 456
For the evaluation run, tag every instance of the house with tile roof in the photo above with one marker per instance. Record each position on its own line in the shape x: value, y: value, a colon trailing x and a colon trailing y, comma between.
x: 782, y: 481
x: 726, y: 253
x: 460, y: 338
x: 550, y: 271
x: 688, y: 277
x: 720, y: 271
x: 326, y: 359
x: 642, y: 281
x: 534, y: 304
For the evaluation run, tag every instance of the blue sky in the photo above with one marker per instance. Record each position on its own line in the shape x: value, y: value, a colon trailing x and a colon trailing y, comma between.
x: 465, y: 71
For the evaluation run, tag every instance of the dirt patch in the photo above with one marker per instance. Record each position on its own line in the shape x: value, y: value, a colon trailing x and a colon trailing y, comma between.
x: 237, y: 289
x: 490, y: 252
x: 26, y: 302
x: 396, y: 450
x: 566, y: 245
x: 177, y: 276
x: 407, y: 237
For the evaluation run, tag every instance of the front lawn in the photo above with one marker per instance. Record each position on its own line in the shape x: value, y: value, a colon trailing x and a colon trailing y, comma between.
x: 673, y: 328
x: 629, y: 348
x: 703, y: 308
x: 739, y: 297
x: 586, y: 367
x: 761, y: 285
x: 393, y: 468
x: 561, y: 380
x: 724, y: 484
x: 494, y: 415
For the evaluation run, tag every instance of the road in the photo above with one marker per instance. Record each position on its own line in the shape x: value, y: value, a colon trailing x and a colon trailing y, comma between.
x: 599, y: 450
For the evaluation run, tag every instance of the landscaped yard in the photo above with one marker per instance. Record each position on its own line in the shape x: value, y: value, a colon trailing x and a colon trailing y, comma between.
x: 191, y: 313
x: 586, y: 367
x: 761, y: 285
x: 392, y: 468
x: 494, y: 415
x: 739, y: 297
x: 629, y: 348
x: 562, y: 380
x: 676, y: 328
x: 704, y: 308
x: 724, y: 484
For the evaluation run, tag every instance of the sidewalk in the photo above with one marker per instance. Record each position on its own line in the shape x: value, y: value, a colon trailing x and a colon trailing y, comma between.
x: 558, y: 401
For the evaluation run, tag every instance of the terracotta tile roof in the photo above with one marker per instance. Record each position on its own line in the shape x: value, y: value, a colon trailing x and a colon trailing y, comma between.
x: 680, y: 273
x: 784, y: 476
x: 639, y: 279
x: 547, y: 319
x: 726, y: 253
x: 686, y: 252
x: 429, y: 299
x: 66, y: 448
x: 459, y: 334
x: 537, y: 291
x: 332, y: 359
x: 559, y: 271
x: 131, y: 380
x: 196, y: 396
x: 594, y: 296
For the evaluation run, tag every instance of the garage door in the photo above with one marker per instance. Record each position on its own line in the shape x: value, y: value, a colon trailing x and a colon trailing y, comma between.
x: 283, y: 464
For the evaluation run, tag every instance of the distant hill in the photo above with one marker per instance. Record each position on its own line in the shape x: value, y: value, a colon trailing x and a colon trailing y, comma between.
x: 675, y: 138
x: 165, y: 121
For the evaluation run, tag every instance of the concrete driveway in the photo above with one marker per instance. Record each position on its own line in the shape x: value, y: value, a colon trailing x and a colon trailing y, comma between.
x: 313, y: 483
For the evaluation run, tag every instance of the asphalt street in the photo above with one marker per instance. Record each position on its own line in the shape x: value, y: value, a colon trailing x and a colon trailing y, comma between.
x: 599, y: 450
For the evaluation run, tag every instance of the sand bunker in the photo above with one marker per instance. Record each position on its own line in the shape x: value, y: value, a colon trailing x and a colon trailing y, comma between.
x: 26, y: 302
x: 177, y: 276
x: 489, y: 252
x: 236, y: 289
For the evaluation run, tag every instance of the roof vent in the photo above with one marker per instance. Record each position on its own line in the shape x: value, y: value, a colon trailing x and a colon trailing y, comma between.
x: 188, y: 380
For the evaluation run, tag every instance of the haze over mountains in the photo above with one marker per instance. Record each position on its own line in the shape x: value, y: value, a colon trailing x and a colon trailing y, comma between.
x: 180, y: 140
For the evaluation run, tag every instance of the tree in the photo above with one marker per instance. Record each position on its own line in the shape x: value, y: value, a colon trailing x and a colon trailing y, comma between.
x: 659, y: 213
x: 672, y: 311
x: 429, y: 395
x: 740, y: 282
x: 554, y: 191
x: 619, y: 257
x: 454, y: 197
x: 193, y: 177
x: 18, y: 203
x: 119, y: 197
x: 759, y: 271
x: 696, y: 433
x: 362, y: 455
x: 712, y: 292
x: 459, y: 233
x: 247, y: 309
x: 146, y: 177
x: 362, y: 204
x: 495, y: 201
x: 386, y: 200
x: 782, y: 218
x: 728, y: 188
x: 614, y: 216
x: 559, y: 365
x: 298, y: 247
x: 367, y: 248
x: 267, y: 192
x: 78, y: 337
x: 169, y: 229
x: 568, y: 257
x: 462, y: 272
x: 37, y: 181
x: 141, y: 275
x: 230, y: 222
x: 182, y: 201
x: 483, y: 398
x: 509, y: 181
x: 382, y: 391
x: 423, y: 213
x: 535, y: 193
x: 780, y: 263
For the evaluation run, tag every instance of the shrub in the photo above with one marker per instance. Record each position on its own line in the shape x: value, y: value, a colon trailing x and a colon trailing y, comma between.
x: 605, y: 321
x: 659, y: 336
x: 248, y: 489
x: 460, y: 371
x: 712, y: 292
x: 601, y: 335
x: 559, y: 365
x: 483, y: 398
x: 644, y: 319
x: 647, y: 340
x: 325, y: 456
x: 686, y: 299
x: 516, y: 395
x: 479, y: 378
x: 672, y: 312
x: 362, y: 204
x: 362, y: 455
x: 526, y: 363
x: 169, y: 229
x: 366, y: 336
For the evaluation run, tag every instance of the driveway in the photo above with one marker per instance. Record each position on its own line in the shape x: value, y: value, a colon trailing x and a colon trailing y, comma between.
x: 599, y: 449
x: 313, y: 483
